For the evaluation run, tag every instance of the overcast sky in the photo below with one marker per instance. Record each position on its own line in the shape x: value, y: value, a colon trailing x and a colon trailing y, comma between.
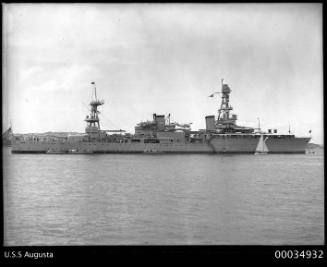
x: 162, y: 58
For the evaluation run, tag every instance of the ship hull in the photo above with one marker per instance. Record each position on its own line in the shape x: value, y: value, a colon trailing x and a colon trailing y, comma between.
x: 287, y: 145
x: 218, y: 144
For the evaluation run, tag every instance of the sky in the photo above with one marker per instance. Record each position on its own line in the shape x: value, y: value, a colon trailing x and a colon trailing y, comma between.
x: 162, y: 58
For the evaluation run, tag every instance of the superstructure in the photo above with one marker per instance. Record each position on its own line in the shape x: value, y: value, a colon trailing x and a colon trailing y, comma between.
x: 160, y: 135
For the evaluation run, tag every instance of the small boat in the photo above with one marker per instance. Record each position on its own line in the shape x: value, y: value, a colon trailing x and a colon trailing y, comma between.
x: 262, y: 148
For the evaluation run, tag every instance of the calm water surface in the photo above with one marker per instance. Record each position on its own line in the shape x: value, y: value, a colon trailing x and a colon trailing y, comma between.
x: 163, y: 199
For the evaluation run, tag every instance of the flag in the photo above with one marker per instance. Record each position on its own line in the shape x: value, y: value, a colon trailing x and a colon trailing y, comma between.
x: 92, y: 82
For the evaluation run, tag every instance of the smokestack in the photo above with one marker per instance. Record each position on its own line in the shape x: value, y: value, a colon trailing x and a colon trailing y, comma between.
x: 210, y: 122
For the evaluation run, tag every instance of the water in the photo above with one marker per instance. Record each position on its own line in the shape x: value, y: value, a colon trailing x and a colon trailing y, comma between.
x: 163, y: 199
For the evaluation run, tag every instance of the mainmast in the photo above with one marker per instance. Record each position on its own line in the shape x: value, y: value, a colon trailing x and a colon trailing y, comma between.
x: 93, y: 122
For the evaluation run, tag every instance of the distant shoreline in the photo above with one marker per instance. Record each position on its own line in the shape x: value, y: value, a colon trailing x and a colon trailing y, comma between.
x: 314, y: 146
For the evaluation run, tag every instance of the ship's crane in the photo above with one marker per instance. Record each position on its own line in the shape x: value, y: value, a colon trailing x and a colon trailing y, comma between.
x: 169, y: 123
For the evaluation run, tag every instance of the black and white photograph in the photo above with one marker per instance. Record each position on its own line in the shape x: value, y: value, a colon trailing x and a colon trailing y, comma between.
x: 163, y: 124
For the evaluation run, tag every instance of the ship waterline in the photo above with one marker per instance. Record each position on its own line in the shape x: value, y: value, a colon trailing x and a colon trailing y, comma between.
x: 222, y: 135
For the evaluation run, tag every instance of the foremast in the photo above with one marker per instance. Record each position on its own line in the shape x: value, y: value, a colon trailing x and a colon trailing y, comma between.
x: 224, y: 116
x: 226, y: 122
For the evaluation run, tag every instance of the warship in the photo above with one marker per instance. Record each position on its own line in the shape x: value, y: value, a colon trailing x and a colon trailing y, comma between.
x: 160, y: 135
